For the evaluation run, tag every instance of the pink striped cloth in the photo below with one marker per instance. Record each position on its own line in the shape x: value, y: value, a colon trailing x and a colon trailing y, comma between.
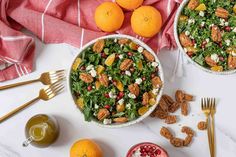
x: 63, y: 21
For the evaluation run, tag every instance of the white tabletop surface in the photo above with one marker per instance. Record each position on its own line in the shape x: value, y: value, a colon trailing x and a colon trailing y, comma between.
x: 116, y: 142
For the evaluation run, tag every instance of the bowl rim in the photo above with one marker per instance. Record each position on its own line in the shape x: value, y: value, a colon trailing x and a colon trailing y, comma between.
x: 181, y: 7
x: 145, y: 46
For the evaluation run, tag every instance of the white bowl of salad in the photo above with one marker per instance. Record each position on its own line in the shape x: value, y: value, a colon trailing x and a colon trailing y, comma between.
x: 116, y: 81
x: 205, y: 31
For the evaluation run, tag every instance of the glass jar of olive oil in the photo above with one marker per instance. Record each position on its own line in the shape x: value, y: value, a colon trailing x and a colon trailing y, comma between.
x: 41, y: 131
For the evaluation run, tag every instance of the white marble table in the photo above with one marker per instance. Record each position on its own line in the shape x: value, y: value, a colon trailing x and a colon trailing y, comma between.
x: 116, y: 142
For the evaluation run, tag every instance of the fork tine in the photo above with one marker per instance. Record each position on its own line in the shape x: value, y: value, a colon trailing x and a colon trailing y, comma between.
x: 58, y: 89
x: 58, y: 78
x: 49, y: 88
x: 58, y: 71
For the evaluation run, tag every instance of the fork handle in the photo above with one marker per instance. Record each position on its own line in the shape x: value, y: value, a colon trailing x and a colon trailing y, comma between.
x: 209, y: 135
x: 13, y: 112
x: 18, y: 84
x: 213, y: 134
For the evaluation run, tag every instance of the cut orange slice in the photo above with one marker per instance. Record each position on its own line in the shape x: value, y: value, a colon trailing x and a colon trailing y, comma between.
x: 110, y: 59
x: 142, y: 110
x: 76, y: 63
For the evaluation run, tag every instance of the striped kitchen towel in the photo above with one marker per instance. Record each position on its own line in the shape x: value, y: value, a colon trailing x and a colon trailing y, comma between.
x: 63, y: 21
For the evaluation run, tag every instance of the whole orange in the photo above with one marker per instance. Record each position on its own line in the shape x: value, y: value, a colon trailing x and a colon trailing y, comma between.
x: 109, y: 16
x: 146, y: 21
x: 129, y: 4
x: 85, y: 148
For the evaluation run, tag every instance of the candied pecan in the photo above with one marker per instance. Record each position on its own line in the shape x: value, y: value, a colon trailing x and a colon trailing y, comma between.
x: 174, y: 107
x: 163, y: 105
x: 134, y: 89
x: 159, y: 114
x: 168, y: 99
x: 231, y: 62
x: 86, y: 77
x: 165, y: 132
x: 185, y: 40
x: 216, y: 34
x: 103, y: 79
x: 210, y: 62
x: 126, y: 64
x: 145, y: 98
x: 123, y: 41
x: 148, y: 56
x: 188, y: 140
x: 156, y: 82
x: 187, y: 130
x: 193, y: 4
x: 202, y: 125
x: 98, y: 46
x: 179, y: 96
x: 188, y: 97
x: 171, y: 119
x: 184, y: 108
x: 221, y: 12
x: 103, y: 113
x: 120, y: 120
x: 177, y: 142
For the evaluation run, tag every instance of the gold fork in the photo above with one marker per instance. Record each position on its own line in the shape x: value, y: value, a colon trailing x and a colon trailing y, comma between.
x: 213, y: 111
x: 46, y: 78
x: 44, y: 94
x: 205, y: 104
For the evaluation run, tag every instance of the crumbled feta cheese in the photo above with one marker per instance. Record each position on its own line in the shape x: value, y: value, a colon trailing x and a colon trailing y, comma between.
x: 215, y: 58
x: 211, y: 25
x: 222, y: 52
x: 90, y: 67
x: 138, y: 80
x: 187, y: 33
x: 226, y: 23
x: 155, y: 64
x: 93, y: 73
x: 112, y: 95
x: 155, y: 91
x: 131, y: 96
x: 203, y: 24
x: 201, y: 13
x: 121, y: 101
x: 107, y: 121
x: 227, y: 42
x: 128, y: 106
x: 93, y: 87
x: 110, y: 78
x: 191, y: 37
x: 222, y: 22
x: 185, y: 50
x: 207, y: 40
x: 121, y: 45
x: 95, y: 114
x: 120, y: 56
x: 115, y: 40
x: 195, y: 45
x: 96, y: 106
x: 233, y: 54
x: 127, y: 73
x: 234, y: 30
x: 140, y: 49
x: 191, y: 21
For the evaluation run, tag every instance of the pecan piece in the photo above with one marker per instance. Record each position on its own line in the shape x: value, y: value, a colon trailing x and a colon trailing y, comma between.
x: 123, y: 41
x: 231, y: 62
x: 221, y: 12
x: 185, y: 40
x: 165, y: 132
x: 202, y: 125
x: 163, y: 105
x: 179, y: 96
x: 120, y: 120
x: 126, y: 64
x: 159, y: 114
x: 86, y: 77
x: 177, y: 142
x: 98, y: 46
x: 156, y: 82
x: 174, y: 107
x: 171, y: 119
x: 148, y: 56
x: 102, y: 114
x: 134, y: 89
x: 188, y: 140
x: 187, y: 130
x: 210, y: 62
x: 184, y: 108
x: 216, y: 34
x: 145, y: 98
x: 168, y: 99
x: 193, y: 4
x: 103, y: 79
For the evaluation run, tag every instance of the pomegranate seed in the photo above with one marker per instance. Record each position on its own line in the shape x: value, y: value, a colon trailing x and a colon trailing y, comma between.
x: 118, y: 98
x: 103, y: 55
x: 106, y: 95
x: 142, y: 150
x: 123, y: 73
x: 158, y: 152
x: 227, y: 28
x: 130, y: 54
x: 131, y: 69
x: 114, y: 82
x: 221, y: 58
x: 220, y: 44
x: 89, y: 88
x: 143, y: 78
x: 117, y: 56
x: 190, y: 54
x: 107, y: 106
x: 82, y: 68
x: 121, y: 94
x: 153, y: 75
x: 194, y: 41
x: 152, y: 155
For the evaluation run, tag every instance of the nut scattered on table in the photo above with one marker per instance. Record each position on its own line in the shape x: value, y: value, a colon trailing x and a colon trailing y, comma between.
x: 202, y: 125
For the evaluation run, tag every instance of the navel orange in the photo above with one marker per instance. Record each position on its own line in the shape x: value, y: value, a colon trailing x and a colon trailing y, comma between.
x: 85, y: 148
x: 129, y: 4
x: 146, y: 21
x: 109, y: 17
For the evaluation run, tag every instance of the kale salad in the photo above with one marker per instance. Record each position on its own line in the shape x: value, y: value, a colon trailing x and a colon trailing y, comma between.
x: 115, y: 80
x: 207, y: 32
